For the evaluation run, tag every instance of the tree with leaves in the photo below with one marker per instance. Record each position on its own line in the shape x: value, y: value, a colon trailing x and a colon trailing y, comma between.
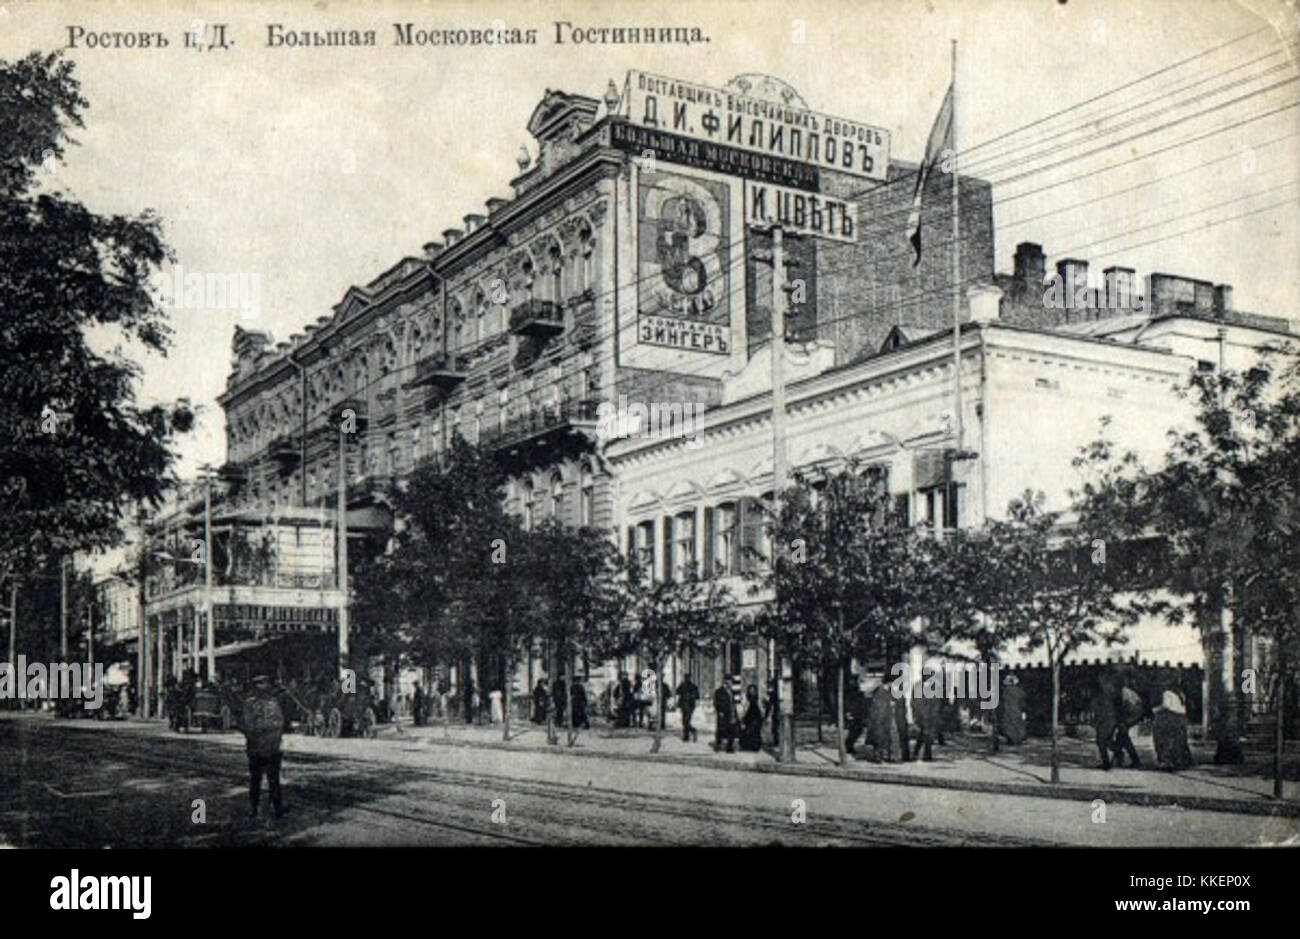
x: 577, y: 601
x: 79, y: 452
x: 455, y: 579
x: 681, y: 615
x: 1046, y: 581
x: 849, y: 576
x: 1225, y: 504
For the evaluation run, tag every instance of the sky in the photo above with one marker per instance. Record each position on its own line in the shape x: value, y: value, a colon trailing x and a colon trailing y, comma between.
x: 318, y: 168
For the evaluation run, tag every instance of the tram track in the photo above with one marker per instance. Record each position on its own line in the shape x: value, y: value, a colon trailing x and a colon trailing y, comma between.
x: 539, y: 812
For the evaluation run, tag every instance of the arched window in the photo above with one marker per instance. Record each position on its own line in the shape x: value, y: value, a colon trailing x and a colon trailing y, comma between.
x: 726, y: 543
x: 481, y: 307
x: 503, y: 409
x: 557, y: 496
x: 526, y: 505
x: 556, y: 270
x: 682, y: 561
x: 587, y: 262
x: 588, y: 491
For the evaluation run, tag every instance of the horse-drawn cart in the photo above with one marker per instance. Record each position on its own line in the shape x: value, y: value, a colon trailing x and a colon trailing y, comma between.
x: 333, y: 712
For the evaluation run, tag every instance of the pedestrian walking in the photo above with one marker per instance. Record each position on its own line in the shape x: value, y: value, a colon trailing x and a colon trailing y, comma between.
x: 541, y: 701
x: 751, y: 730
x: 687, y: 695
x: 724, y: 717
x: 774, y: 708
x: 560, y: 698
x: 580, y: 718
x: 263, y: 725
x: 419, y: 705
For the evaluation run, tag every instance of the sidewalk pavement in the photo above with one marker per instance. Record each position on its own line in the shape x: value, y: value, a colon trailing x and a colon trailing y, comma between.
x: 963, y: 764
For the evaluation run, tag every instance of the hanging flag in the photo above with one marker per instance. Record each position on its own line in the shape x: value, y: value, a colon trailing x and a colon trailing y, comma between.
x: 939, y: 142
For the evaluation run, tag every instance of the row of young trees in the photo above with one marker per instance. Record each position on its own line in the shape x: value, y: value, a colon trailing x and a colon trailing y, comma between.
x: 1212, y: 527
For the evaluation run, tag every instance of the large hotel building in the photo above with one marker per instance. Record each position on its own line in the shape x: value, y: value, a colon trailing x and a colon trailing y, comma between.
x: 631, y: 263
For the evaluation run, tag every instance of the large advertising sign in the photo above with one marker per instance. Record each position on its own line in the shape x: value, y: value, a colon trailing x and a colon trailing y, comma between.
x: 683, y: 247
x: 701, y: 154
x: 757, y: 125
x: 802, y: 213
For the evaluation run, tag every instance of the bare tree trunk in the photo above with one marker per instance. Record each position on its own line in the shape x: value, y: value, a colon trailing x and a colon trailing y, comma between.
x: 658, y: 718
x: 551, y: 736
x: 571, y: 672
x: 1278, y: 732
x: 509, y: 700
x: 1056, y: 713
x: 839, y: 710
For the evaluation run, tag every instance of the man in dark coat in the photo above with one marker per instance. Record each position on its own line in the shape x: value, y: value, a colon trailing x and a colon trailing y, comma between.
x: 926, y: 710
x: 541, y: 701
x: 880, y: 727
x: 751, y: 730
x: 623, y: 714
x: 560, y: 700
x: 687, y: 695
x: 724, y: 710
x: 263, y: 724
x: 1115, y: 709
x: 418, y: 705
x: 579, y: 693
x: 856, y: 706
x: 774, y: 708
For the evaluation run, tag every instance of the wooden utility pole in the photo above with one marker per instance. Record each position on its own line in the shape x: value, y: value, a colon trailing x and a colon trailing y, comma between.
x: 63, y: 609
x: 13, y: 623
x: 779, y: 299
x: 207, y: 573
x: 142, y: 633
x: 343, y: 550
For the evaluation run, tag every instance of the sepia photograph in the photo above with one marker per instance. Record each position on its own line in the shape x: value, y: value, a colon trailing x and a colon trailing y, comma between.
x: 833, y: 423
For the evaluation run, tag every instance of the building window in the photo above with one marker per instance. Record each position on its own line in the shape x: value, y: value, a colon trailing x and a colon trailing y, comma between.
x: 942, y: 507
x: 557, y: 273
x: 724, y: 543
x: 588, y: 497
x: 527, y: 506
x: 682, y: 561
x: 645, y: 547
x: 503, y: 409
x: 557, y: 497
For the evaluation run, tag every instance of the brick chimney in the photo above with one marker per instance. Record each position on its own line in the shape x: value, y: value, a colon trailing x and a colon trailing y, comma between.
x: 1223, y: 298
x: 495, y: 203
x: 1120, y: 287
x: 473, y: 222
x: 432, y: 249
x: 1074, y: 284
x: 451, y: 236
x: 1031, y: 265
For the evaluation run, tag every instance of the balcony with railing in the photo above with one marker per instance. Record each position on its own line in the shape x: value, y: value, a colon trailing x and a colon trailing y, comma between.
x: 286, y: 451
x: 439, y: 372
x: 544, y: 426
x: 537, y: 318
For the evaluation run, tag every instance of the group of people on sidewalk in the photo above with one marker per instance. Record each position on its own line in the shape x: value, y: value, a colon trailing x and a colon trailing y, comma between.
x: 736, y: 722
x: 559, y: 700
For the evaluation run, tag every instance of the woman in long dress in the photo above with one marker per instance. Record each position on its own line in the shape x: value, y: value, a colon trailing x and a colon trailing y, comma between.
x: 751, y: 727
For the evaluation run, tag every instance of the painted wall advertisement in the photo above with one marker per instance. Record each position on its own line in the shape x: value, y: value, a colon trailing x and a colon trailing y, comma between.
x: 683, y: 276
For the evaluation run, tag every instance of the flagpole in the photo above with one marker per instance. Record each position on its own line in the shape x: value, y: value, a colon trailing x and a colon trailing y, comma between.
x: 956, y: 269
